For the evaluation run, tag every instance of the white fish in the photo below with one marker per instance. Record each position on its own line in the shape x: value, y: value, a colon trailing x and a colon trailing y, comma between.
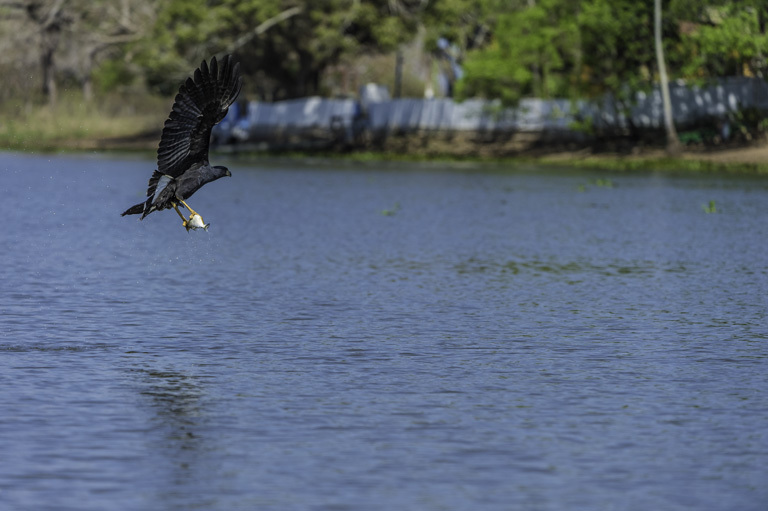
x: 195, y: 222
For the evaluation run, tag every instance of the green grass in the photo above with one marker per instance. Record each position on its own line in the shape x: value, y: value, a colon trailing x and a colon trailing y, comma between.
x: 608, y: 162
x: 665, y: 164
x: 75, y: 124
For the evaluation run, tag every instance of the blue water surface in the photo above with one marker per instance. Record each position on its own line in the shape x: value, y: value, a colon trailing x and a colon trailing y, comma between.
x: 380, y: 336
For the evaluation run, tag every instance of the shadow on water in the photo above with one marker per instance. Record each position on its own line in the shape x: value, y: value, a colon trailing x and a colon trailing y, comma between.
x: 176, y: 402
x: 176, y: 399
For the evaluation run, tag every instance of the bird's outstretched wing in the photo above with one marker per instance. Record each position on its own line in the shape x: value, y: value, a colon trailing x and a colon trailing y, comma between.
x: 201, y: 103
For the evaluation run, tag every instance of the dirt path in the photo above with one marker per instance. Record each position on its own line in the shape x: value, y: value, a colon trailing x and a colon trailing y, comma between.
x: 757, y: 154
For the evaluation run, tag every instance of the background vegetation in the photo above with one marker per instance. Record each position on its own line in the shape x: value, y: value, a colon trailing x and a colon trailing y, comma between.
x: 70, y: 61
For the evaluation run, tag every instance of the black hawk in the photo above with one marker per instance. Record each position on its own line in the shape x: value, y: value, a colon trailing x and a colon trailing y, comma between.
x: 182, y: 157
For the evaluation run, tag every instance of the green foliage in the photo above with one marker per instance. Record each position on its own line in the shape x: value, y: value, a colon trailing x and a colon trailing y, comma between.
x: 531, y: 54
x: 617, y: 48
x: 184, y: 33
x: 566, y: 48
x: 463, y: 22
x: 111, y: 75
x: 509, y: 49
x: 288, y: 58
x: 728, y: 40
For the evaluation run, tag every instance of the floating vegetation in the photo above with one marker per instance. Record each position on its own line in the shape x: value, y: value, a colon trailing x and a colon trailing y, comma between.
x: 391, y: 212
x: 599, y: 182
x: 710, y: 208
x: 604, y: 183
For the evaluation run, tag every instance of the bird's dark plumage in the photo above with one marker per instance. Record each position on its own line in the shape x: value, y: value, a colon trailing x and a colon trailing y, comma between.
x: 182, y: 157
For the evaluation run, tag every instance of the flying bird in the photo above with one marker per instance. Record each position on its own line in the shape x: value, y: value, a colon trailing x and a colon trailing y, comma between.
x: 182, y: 156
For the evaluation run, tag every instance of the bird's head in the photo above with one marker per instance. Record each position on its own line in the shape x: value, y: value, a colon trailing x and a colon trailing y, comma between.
x: 221, y: 171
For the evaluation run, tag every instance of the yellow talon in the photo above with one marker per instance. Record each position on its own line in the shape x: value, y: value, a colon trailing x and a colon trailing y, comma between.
x: 183, y: 220
x: 195, y: 221
x: 191, y: 211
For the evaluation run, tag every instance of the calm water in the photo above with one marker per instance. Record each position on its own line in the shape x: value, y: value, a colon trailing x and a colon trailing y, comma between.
x: 356, y: 337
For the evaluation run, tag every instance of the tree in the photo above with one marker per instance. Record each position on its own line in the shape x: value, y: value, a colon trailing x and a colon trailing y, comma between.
x: 89, y: 27
x: 723, y: 39
x: 617, y: 54
x: 532, y: 52
x: 673, y: 143
x: 182, y: 34
x: 49, y: 19
x: 292, y: 56
x: 104, y: 26
x: 284, y: 46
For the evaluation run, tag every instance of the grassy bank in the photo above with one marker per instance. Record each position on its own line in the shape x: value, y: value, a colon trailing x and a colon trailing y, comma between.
x: 107, y: 123
x: 716, y: 162
x: 134, y: 122
x: 690, y: 162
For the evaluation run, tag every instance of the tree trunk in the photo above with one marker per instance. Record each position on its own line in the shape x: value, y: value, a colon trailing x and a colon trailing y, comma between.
x: 49, y: 72
x: 673, y: 143
x: 88, y: 88
x: 398, y: 92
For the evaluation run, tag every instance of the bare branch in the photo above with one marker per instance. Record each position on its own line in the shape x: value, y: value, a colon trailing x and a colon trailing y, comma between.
x: 263, y: 27
x: 101, y: 43
x: 53, y: 14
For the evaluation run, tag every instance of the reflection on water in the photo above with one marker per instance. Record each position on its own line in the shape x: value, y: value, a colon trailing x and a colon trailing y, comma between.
x: 499, y: 340
x: 176, y: 400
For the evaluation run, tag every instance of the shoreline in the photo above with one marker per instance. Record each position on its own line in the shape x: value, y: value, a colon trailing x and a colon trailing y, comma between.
x: 749, y: 159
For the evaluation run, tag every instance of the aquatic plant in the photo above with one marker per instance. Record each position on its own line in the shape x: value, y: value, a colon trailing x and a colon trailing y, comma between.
x: 709, y: 208
x: 604, y: 183
x: 391, y: 212
x: 599, y: 182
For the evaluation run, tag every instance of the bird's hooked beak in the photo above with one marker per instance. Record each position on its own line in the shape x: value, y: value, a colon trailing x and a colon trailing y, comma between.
x: 228, y: 173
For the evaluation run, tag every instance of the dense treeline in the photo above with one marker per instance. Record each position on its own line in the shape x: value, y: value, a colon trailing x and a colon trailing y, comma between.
x: 505, y: 49
x: 567, y: 48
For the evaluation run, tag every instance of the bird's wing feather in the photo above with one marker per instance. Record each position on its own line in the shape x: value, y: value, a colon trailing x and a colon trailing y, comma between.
x: 201, y: 103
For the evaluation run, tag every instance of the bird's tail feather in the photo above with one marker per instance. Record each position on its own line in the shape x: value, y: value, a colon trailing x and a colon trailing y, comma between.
x: 134, y: 210
x: 146, y: 208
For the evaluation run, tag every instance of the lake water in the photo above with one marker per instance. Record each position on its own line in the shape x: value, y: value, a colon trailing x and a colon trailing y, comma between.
x: 382, y: 336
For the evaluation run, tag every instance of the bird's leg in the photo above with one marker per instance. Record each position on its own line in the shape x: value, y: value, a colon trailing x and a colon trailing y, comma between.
x: 191, y: 211
x: 184, y: 220
x: 176, y: 207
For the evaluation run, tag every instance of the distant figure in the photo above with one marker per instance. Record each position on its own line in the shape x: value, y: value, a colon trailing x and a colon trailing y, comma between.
x: 182, y: 157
